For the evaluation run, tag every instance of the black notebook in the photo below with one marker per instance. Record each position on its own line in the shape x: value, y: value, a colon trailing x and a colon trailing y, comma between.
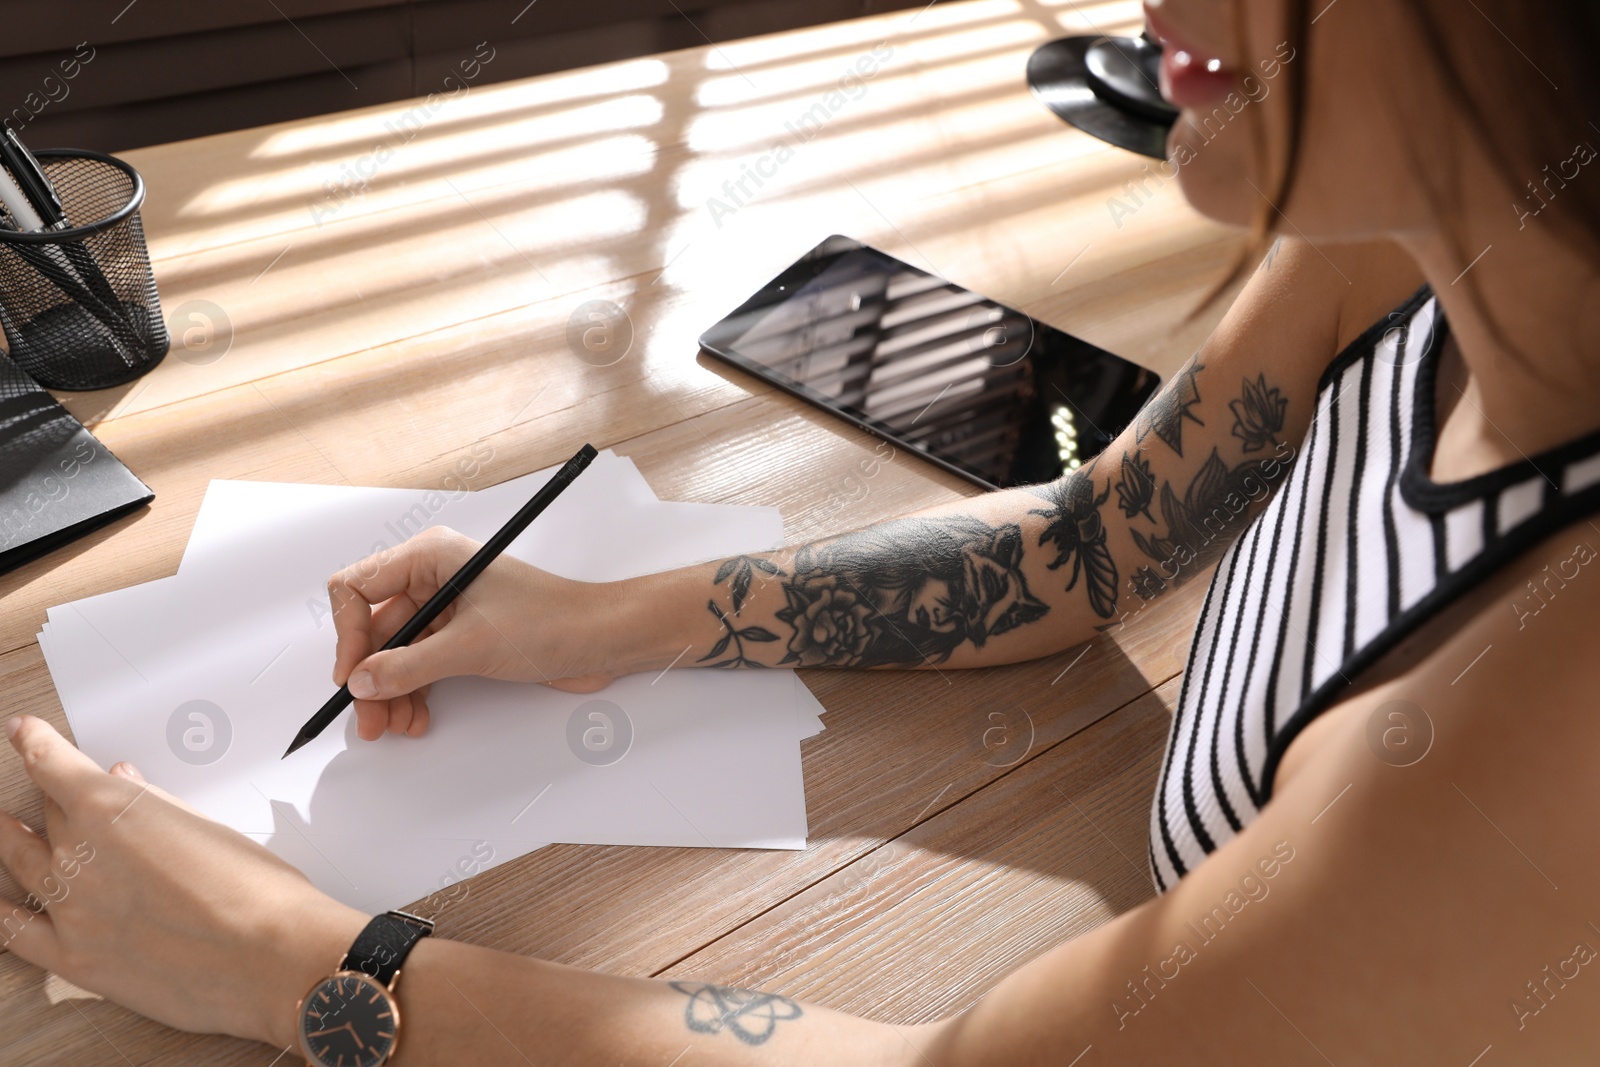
x: 57, y: 482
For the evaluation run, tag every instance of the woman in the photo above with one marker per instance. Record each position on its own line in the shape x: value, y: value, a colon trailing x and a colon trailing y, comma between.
x: 1390, y: 442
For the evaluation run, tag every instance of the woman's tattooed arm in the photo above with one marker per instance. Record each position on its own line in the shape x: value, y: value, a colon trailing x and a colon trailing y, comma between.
x: 902, y: 593
x: 1076, y: 555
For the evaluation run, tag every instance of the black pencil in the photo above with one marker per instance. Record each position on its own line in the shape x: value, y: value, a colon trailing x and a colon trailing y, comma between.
x: 447, y: 593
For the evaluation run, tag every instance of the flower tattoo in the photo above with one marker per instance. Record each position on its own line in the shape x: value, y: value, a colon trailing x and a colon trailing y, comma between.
x: 1258, y: 414
x: 1137, y: 486
x: 902, y: 593
x: 832, y: 624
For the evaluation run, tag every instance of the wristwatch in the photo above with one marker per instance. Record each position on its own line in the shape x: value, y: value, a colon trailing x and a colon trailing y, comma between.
x: 351, y: 1018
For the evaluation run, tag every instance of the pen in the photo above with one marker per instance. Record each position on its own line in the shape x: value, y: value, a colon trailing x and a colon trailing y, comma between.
x: 35, y: 185
x: 17, y: 202
x: 448, y: 592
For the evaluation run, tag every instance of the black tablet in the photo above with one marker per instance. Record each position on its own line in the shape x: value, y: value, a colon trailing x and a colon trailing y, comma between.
x: 977, y: 387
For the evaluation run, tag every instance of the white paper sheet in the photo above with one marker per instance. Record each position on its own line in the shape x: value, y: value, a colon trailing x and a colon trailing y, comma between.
x: 202, y: 678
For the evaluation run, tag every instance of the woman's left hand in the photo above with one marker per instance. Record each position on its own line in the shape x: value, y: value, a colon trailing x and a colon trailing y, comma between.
x: 156, y: 907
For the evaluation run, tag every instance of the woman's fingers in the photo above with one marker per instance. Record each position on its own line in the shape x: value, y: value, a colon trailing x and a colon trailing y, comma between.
x: 371, y: 601
x: 54, y: 764
x: 419, y: 713
x: 30, y: 934
x: 384, y: 675
x: 55, y: 820
x: 25, y: 854
x: 358, y: 626
x: 24, y: 928
x: 124, y: 769
x: 408, y: 573
x: 352, y: 629
x: 372, y: 719
x: 405, y: 714
x: 394, y: 613
x: 400, y: 712
x: 410, y: 564
x: 419, y: 720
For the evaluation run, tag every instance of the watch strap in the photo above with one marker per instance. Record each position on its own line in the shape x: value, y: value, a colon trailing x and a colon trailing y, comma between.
x: 381, y: 947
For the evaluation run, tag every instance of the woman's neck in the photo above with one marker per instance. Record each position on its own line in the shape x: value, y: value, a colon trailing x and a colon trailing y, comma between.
x: 1530, y: 380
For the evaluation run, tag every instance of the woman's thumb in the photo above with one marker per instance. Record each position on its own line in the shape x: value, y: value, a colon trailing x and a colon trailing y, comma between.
x: 398, y: 671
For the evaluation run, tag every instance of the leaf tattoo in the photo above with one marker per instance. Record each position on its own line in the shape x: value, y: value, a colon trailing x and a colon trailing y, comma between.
x: 1179, y: 516
x: 1196, y: 521
x: 741, y: 569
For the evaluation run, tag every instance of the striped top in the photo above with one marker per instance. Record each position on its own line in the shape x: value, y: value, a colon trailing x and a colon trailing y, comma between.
x: 1356, y: 549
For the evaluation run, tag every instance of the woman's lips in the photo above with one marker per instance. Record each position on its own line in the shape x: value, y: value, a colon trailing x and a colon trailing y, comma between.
x: 1192, y: 81
x: 1190, y: 77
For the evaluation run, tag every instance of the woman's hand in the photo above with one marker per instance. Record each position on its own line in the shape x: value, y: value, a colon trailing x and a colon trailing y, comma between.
x: 516, y: 622
x: 137, y: 897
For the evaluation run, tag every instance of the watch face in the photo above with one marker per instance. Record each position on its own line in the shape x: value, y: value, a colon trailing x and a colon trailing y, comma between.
x: 348, y: 1020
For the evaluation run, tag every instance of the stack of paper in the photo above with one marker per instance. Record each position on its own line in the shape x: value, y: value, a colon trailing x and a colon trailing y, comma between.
x: 202, y: 679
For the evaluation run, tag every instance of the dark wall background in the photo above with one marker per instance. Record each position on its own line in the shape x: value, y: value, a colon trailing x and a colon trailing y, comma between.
x: 110, y: 75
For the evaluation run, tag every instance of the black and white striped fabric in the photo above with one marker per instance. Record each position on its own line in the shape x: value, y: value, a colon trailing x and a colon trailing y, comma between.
x: 1356, y: 548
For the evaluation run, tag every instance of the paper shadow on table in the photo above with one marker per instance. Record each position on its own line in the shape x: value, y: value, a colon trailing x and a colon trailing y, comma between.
x: 1025, y: 776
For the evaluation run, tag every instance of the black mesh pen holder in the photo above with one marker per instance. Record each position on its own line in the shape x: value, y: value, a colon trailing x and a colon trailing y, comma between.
x: 79, y: 304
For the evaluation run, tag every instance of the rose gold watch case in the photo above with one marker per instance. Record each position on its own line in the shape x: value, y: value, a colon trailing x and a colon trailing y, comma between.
x: 362, y: 976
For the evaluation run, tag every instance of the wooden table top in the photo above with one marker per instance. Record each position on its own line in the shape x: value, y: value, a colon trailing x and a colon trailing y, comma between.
x: 390, y: 289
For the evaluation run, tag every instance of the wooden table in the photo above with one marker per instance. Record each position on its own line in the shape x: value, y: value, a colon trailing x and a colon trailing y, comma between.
x: 378, y: 318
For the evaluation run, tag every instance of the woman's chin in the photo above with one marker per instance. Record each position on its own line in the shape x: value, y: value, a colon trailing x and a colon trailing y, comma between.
x: 1215, y: 171
x: 1220, y: 196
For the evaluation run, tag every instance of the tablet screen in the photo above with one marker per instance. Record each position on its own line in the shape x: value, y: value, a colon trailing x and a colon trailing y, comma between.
x: 978, y: 387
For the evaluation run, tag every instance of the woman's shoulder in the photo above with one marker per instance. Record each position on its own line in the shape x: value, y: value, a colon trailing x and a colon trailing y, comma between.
x: 1309, y: 301
x: 1541, y: 611
x: 1503, y: 682
x: 1379, y: 277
